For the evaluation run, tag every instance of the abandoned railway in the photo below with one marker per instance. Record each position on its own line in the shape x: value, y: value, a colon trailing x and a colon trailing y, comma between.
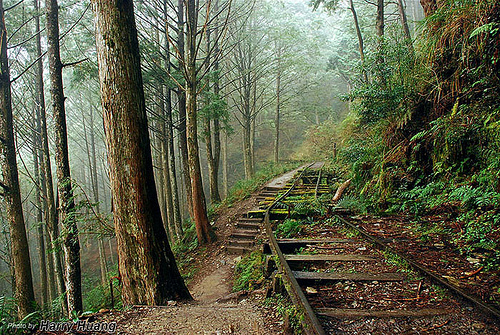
x: 343, y: 279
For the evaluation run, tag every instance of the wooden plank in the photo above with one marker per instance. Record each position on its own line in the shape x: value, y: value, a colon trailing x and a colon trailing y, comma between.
x: 306, y: 241
x: 397, y: 313
x: 358, y: 276
x: 333, y: 258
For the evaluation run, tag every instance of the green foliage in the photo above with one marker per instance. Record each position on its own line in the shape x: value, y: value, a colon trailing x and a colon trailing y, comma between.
x: 183, y: 250
x: 289, y: 228
x: 307, y: 209
x: 355, y: 204
x: 8, y: 316
x: 96, y: 297
x: 249, y: 272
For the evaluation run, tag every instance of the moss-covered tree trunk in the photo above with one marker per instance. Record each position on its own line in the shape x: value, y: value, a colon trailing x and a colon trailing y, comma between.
x: 203, y: 229
x: 66, y: 210
x: 147, y: 266
x: 9, y: 182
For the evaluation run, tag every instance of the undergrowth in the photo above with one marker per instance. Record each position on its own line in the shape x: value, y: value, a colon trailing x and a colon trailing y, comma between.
x: 249, y: 272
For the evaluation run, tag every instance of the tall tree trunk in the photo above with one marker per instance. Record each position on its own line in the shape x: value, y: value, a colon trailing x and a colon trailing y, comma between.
x: 71, y: 244
x: 213, y: 146
x: 360, y: 38
x: 203, y: 228
x: 278, y: 105
x: 170, y: 137
x: 39, y: 209
x: 147, y: 266
x: 404, y: 24
x: 55, y: 273
x: 181, y: 96
x: 91, y: 155
x: 224, y: 167
x: 51, y: 275
x: 247, y: 147
x: 380, y: 18
x: 24, y: 294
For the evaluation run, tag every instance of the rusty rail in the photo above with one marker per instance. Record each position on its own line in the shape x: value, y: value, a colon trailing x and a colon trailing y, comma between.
x: 312, y: 324
x: 484, y: 306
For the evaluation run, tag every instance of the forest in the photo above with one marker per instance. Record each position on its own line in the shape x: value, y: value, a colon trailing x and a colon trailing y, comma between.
x: 128, y: 128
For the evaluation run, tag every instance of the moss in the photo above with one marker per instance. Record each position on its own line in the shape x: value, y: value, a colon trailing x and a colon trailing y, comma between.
x: 249, y: 272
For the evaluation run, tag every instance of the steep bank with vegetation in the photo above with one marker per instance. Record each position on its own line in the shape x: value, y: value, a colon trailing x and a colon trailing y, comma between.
x: 422, y: 134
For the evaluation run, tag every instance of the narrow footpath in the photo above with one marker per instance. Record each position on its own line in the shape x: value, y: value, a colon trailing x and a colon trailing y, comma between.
x: 215, y: 309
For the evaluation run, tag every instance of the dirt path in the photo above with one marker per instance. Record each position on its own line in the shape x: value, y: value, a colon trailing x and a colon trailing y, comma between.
x: 214, y: 310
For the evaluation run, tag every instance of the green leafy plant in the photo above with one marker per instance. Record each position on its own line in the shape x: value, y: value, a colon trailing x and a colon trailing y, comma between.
x: 249, y: 272
x: 289, y: 228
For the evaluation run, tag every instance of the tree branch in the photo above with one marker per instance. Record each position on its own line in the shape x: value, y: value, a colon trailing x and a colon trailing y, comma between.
x: 75, y: 63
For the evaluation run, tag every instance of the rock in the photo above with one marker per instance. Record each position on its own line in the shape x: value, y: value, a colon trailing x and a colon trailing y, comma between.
x: 362, y: 248
x: 311, y: 290
x: 478, y: 325
x: 237, y: 259
x: 473, y: 260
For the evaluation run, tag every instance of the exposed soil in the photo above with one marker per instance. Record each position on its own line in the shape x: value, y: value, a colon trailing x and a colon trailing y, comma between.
x: 215, y: 310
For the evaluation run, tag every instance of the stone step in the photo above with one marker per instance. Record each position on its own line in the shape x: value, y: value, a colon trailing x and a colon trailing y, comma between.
x: 249, y: 232
x: 272, y: 189
x: 238, y: 235
x: 247, y: 225
x: 237, y: 250
x: 247, y: 219
x: 241, y: 243
x: 289, y: 246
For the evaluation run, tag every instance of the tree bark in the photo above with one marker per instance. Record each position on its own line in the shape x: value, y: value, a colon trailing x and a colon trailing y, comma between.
x: 24, y: 294
x: 55, y: 273
x: 147, y: 266
x: 203, y: 228
x: 39, y: 208
x: 380, y: 18
x: 360, y: 38
x: 170, y: 138
x: 71, y: 244
x: 224, y: 167
x: 278, y: 105
x: 181, y: 96
x: 213, y: 146
x: 91, y: 155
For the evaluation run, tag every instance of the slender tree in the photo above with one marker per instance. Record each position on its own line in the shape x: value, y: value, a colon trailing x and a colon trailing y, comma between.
x: 147, y: 266
x: 169, y: 131
x: 203, y: 229
x: 71, y: 244
x: 55, y: 273
x: 10, y: 186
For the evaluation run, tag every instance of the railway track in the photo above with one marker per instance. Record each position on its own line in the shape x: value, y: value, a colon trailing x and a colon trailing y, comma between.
x: 344, y: 281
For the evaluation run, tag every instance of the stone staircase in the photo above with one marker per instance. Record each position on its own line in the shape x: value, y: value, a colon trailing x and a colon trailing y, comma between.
x: 242, y: 239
